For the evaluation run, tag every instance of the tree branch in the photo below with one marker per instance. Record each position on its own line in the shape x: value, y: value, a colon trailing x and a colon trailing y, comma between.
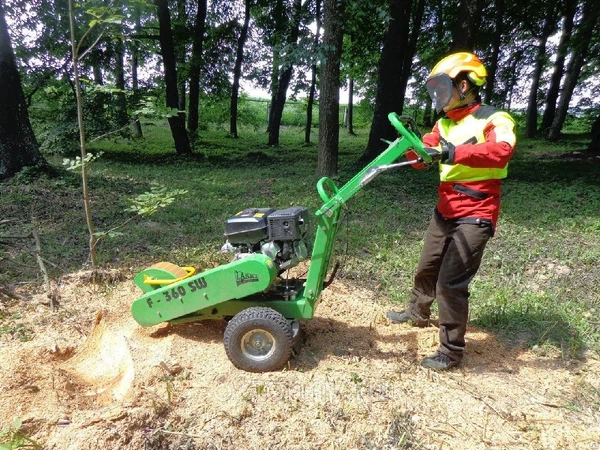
x: 115, y: 228
x: 154, y: 37
x: 40, y: 261
x: 88, y: 31
x: 90, y: 48
x: 10, y: 294
x: 97, y: 138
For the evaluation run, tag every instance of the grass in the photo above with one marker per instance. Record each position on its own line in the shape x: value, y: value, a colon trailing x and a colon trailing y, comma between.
x: 14, y: 437
x: 538, y: 285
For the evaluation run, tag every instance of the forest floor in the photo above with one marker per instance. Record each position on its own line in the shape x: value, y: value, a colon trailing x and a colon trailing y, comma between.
x: 87, y: 376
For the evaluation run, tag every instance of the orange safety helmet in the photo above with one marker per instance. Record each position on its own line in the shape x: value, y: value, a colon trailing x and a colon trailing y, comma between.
x: 441, y: 79
x: 456, y: 63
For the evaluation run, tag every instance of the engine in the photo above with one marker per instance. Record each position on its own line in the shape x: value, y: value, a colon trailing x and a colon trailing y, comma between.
x: 280, y: 234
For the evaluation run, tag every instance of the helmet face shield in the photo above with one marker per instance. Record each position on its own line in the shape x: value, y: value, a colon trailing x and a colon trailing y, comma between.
x: 440, y: 89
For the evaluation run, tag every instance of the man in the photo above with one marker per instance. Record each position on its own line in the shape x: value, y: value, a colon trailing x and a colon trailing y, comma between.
x: 473, y: 144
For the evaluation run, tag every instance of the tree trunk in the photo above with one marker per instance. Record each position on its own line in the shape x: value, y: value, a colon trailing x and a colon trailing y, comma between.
x: 87, y: 202
x: 121, y: 103
x: 595, y: 143
x: 417, y: 19
x: 96, y: 63
x: 181, y: 97
x: 285, y: 76
x: 278, y: 17
x: 195, y: 66
x: 350, y: 117
x: 532, y: 104
x: 313, y: 80
x: 559, y: 65
x: 329, y: 105
x: 388, y: 97
x: 511, y: 83
x: 176, y: 122
x: 179, y: 42
x: 492, y: 61
x: 237, y: 72
x: 430, y: 115
x: 137, y: 126
x: 18, y: 146
x: 580, y: 52
x: 466, y: 28
x: 427, y: 116
x: 309, y: 106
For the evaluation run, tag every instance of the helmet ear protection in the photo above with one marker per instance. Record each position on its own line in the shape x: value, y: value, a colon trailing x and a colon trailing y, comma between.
x: 475, y: 79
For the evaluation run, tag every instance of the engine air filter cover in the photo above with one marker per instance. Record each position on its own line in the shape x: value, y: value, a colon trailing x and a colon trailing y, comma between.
x: 288, y: 224
x: 248, y: 226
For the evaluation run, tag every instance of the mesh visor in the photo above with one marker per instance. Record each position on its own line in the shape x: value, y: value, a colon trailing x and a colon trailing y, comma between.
x: 440, y: 89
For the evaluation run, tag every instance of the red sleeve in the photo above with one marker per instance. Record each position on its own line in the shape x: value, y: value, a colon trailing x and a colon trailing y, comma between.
x: 491, y: 153
x: 432, y: 139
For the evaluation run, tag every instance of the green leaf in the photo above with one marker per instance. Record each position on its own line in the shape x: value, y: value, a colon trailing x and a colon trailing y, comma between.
x: 148, y: 203
x: 114, y: 20
x: 77, y: 163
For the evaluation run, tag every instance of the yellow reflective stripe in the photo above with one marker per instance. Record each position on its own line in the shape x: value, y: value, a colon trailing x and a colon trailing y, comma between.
x: 463, y: 131
x: 458, y: 172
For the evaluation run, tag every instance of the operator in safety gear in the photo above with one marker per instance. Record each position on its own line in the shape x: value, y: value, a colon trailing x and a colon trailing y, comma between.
x: 473, y: 144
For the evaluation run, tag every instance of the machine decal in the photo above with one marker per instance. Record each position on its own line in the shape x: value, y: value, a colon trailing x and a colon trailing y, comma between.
x: 243, y: 278
x: 197, y: 285
x: 180, y: 291
x: 174, y: 293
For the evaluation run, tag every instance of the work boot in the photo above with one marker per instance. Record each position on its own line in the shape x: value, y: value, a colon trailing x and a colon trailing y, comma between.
x: 403, y: 317
x: 439, y: 361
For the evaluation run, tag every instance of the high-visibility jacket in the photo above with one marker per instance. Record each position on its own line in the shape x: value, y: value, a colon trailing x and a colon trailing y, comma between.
x: 484, y: 140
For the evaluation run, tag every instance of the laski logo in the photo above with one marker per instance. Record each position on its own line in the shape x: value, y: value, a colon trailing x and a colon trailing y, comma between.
x: 243, y: 278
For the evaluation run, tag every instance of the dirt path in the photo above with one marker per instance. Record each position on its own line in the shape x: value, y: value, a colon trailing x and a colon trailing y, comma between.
x: 91, y: 378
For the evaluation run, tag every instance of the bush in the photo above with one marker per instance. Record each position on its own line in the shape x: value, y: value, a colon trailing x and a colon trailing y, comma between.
x: 54, y: 118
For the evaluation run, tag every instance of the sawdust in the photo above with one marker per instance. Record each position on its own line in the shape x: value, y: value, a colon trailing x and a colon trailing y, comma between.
x: 91, y: 378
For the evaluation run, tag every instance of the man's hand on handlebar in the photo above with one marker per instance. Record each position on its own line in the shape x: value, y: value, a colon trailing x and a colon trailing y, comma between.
x: 445, y: 155
x: 447, y: 152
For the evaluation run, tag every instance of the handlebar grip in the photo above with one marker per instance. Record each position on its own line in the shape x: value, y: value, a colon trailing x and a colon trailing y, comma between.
x: 414, y: 141
x: 321, y: 188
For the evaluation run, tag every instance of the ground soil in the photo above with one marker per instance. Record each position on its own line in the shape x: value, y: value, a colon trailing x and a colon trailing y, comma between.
x: 90, y: 377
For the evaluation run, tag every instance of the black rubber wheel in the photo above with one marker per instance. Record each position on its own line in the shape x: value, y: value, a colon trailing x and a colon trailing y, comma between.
x: 258, y: 339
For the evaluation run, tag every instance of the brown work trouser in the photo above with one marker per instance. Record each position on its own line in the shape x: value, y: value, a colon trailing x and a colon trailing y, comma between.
x: 450, y: 259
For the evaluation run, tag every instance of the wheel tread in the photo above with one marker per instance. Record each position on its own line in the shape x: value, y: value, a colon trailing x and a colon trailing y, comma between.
x: 258, y: 316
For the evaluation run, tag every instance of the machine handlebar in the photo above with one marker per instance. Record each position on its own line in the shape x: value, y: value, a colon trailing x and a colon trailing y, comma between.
x: 334, y: 197
x: 324, y: 183
x: 416, y: 144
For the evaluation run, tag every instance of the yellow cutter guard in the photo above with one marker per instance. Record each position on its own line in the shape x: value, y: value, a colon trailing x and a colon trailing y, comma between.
x: 161, y: 274
x: 153, y: 282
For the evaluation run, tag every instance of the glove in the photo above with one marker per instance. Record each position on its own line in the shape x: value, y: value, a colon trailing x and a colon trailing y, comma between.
x: 436, y: 155
x: 447, y: 152
x: 445, y: 155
